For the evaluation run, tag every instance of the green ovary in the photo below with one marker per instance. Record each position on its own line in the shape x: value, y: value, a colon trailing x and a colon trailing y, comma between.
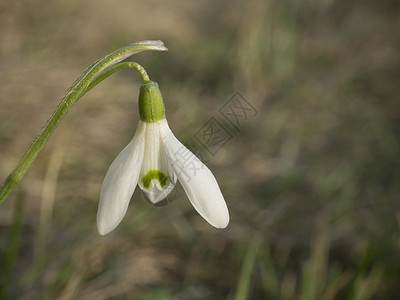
x: 154, y: 174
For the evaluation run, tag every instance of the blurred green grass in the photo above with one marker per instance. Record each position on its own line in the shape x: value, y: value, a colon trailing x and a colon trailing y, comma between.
x: 312, y: 182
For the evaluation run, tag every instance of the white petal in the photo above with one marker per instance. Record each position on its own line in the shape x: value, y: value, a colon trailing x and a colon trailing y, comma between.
x: 197, y: 180
x: 159, y: 197
x: 155, y: 162
x: 120, y: 183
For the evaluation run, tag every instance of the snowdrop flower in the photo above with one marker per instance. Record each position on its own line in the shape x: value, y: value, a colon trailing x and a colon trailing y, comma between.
x: 154, y: 160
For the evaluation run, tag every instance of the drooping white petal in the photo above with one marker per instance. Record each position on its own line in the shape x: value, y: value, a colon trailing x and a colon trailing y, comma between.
x: 196, y: 179
x: 120, y: 183
x: 157, y: 178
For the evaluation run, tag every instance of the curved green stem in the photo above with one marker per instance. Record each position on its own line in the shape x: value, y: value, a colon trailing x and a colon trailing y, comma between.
x: 115, y: 68
x: 94, y: 74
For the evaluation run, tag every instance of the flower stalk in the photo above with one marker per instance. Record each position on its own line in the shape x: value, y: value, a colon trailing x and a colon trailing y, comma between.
x: 93, y: 75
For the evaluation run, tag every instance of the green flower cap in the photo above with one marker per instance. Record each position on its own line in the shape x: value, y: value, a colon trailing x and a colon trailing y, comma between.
x: 151, y: 104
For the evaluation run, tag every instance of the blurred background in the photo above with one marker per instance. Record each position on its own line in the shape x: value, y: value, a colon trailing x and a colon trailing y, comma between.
x: 311, y: 177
